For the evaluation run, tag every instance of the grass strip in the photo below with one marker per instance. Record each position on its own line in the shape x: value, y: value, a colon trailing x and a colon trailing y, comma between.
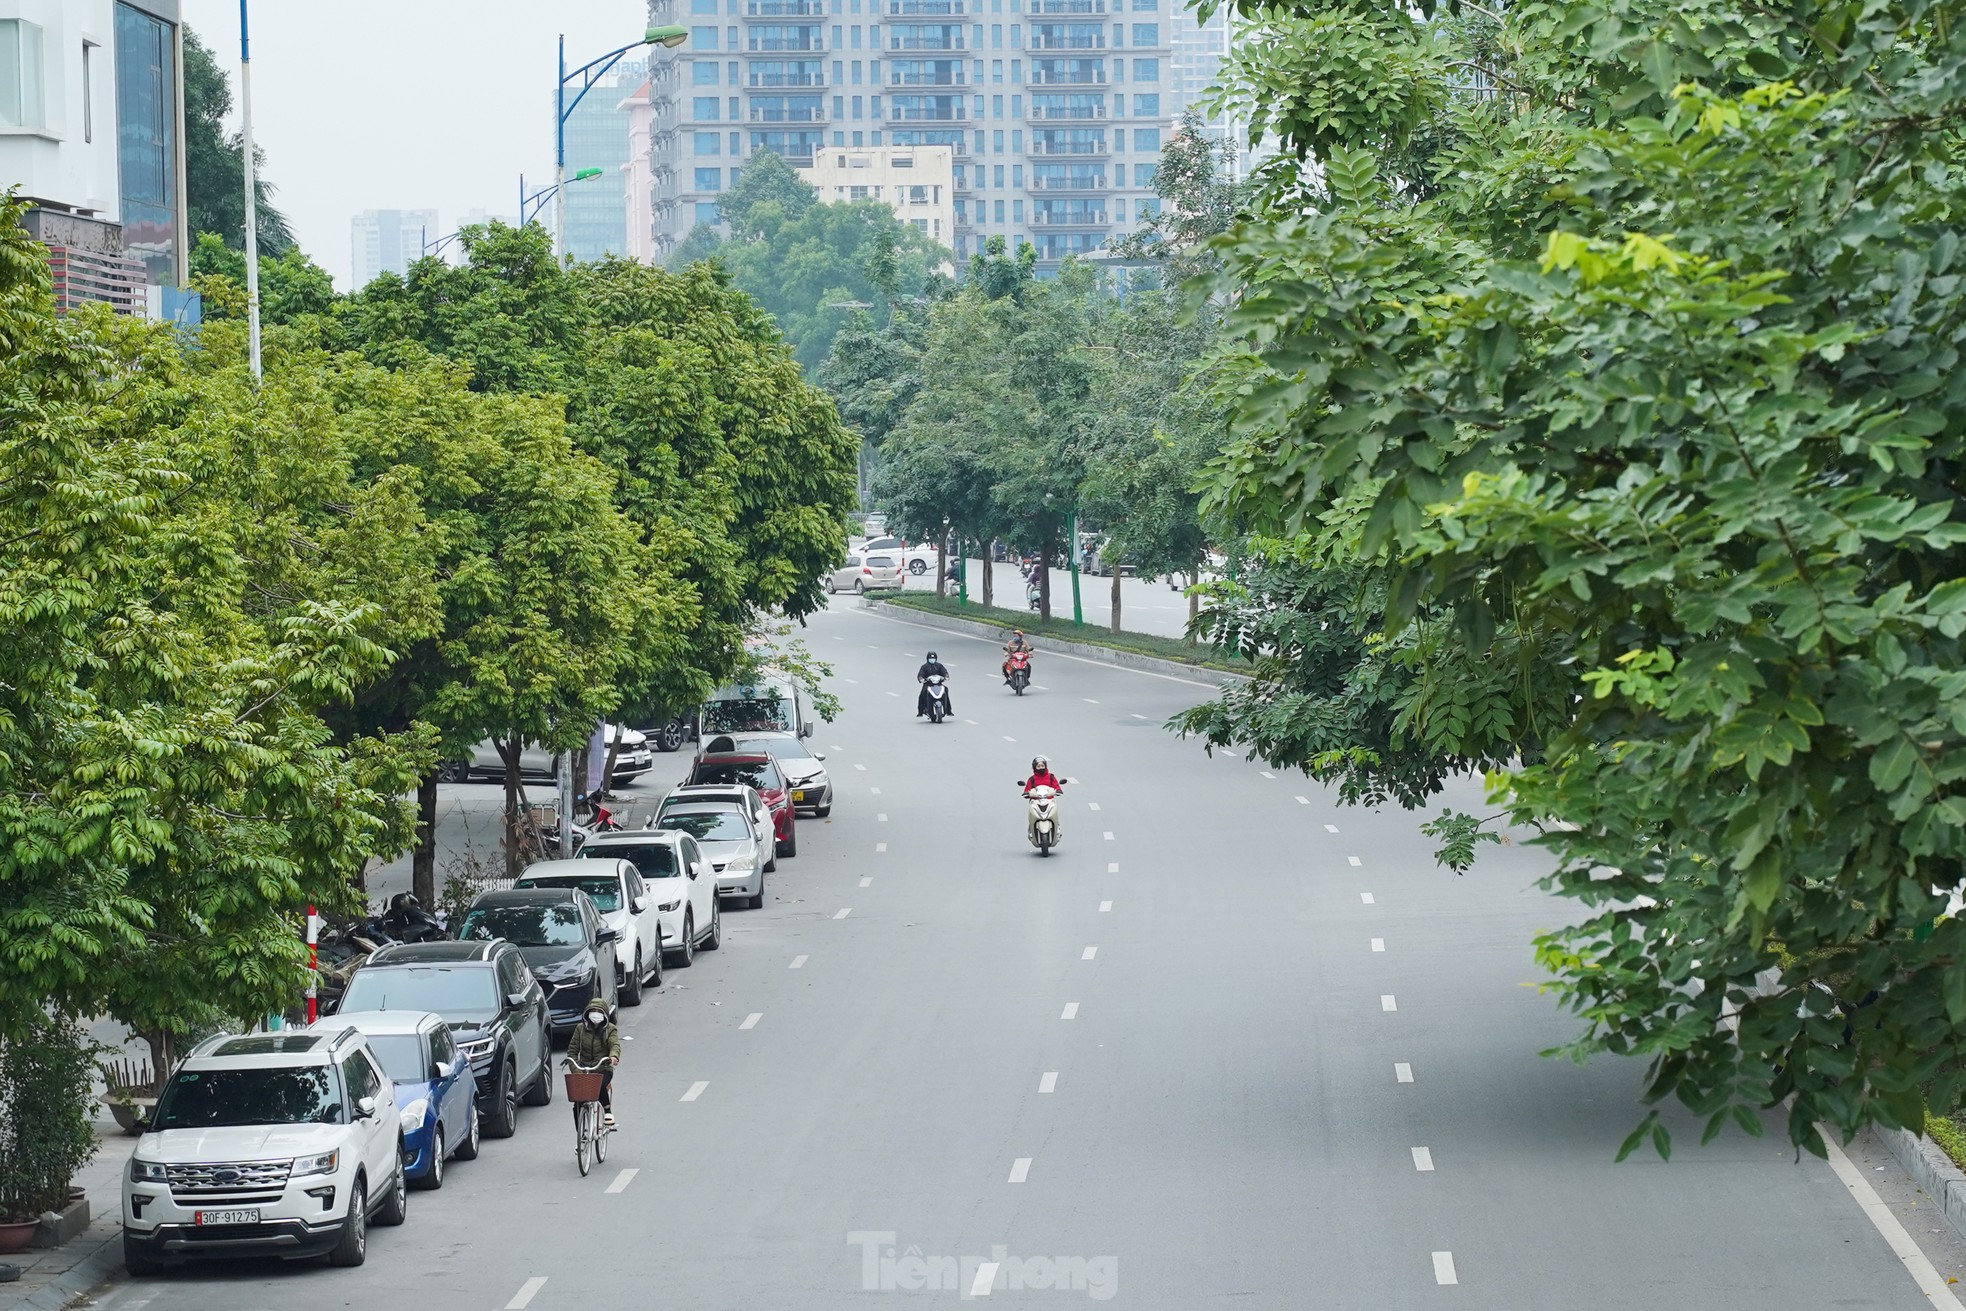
x: 1949, y: 1132
x: 1147, y: 644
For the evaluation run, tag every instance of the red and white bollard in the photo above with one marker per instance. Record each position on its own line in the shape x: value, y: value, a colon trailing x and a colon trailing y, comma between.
x: 313, y: 962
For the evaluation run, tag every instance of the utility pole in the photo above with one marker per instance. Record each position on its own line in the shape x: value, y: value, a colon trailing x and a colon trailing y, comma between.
x: 252, y: 198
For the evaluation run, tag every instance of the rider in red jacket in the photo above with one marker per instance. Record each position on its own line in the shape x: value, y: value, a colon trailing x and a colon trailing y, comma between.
x: 1041, y: 776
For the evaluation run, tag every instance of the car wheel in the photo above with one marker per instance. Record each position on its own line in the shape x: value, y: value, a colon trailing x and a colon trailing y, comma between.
x: 453, y: 771
x: 137, y: 1261
x: 655, y: 974
x: 756, y: 901
x: 352, y: 1248
x: 671, y: 736
x: 435, y: 1179
x: 541, y: 1092
x: 468, y: 1149
x: 859, y: 587
x: 631, y: 989
x: 505, y: 1103
x: 830, y: 589
x: 918, y: 567
x: 685, y: 955
x: 715, y: 937
x: 790, y: 848
x: 395, y: 1208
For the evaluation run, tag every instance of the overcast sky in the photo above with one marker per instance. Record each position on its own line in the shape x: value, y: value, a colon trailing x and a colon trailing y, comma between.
x: 405, y: 104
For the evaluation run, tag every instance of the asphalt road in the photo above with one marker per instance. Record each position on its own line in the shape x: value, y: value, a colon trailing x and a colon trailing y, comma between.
x: 1145, y: 606
x: 1198, y: 1057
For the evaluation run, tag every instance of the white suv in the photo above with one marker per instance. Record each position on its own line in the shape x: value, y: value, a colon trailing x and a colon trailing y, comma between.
x: 267, y: 1144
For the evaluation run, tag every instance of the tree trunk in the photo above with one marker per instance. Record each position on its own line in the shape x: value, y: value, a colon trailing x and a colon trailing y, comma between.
x: 423, y: 864
x: 942, y: 565
x: 1116, y: 597
x: 1044, y: 579
x: 989, y: 573
x: 508, y: 753
x: 1194, y: 602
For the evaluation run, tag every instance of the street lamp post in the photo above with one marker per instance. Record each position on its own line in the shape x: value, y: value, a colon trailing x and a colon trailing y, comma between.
x: 539, y: 198
x: 252, y: 200
x: 589, y: 73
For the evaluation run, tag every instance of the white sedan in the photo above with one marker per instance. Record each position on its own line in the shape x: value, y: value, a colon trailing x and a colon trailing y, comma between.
x: 681, y: 883
x: 917, y: 559
x: 626, y: 904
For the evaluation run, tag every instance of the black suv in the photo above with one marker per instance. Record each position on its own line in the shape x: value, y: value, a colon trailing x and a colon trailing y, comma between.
x: 494, y: 1006
x: 562, y: 937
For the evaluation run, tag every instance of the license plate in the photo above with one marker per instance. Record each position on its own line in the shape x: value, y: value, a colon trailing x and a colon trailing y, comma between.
x: 236, y: 1216
x: 798, y: 794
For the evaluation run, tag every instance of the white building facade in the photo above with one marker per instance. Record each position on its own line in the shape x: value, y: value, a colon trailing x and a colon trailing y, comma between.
x: 388, y: 241
x: 917, y: 182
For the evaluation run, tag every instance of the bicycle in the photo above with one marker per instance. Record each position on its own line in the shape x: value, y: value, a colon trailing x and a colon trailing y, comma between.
x: 590, y: 1131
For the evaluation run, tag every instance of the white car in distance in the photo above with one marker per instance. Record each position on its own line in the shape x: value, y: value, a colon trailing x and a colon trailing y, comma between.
x: 729, y: 837
x: 681, y: 882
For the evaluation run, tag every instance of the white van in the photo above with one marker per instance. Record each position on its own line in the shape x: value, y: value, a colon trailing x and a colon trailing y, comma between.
x: 771, y: 705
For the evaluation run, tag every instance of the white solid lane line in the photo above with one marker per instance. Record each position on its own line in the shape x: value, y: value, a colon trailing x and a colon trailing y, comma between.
x: 1088, y: 953
x: 1071, y: 1011
x: 622, y: 1180
x: 1330, y: 828
x: 1049, y: 1083
x: 695, y: 1090
x: 751, y: 1020
x: 1354, y: 860
x: 1423, y: 1159
x: 867, y: 882
x: 844, y: 912
x: 880, y: 847
x: 1444, y: 1268
x: 527, y: 1292
x: 1366, y: 898
x: 1092, y: 805
x: 1105, y: 906
x: 894, y: 694
x: 1930, y: 1282
x: 986, y: 1275
x: 1020, y: 1169
x: 1378, y: 944
x: 838, y: 749
x: 1402, y: 1072
x: 1387, y: 1002
x: 798, y: 963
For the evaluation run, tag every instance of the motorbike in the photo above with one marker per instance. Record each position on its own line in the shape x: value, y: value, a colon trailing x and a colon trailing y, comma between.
x: 1034, y: 596
x: 408, y: 921
x: 1042, y: 828
x: 938, y: 699
x: 1020, y: 671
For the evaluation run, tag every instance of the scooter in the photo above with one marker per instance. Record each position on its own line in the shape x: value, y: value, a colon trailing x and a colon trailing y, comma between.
x: 1020, y: 671
x: 938, y: 699
x: 1042, y: 829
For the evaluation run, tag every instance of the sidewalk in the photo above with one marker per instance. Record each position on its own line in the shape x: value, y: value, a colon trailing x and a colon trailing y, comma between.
x: 54, y: 1277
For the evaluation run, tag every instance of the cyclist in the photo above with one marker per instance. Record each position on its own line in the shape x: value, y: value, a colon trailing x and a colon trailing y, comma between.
x: 596, y: 1041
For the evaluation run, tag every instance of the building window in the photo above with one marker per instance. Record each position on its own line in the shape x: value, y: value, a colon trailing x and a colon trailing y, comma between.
x: 1017, y: 106
x: 706, y: 212
x: 1140, y: 6
x: 856, y: 109
x: 1147, y: 106
x: 996, y: 106
x: 23, y: 100
x: 999, y: 169
x: 709, y: 179
x: 996, y: 142
x: 1146, y: 139
x: 1143, y: 174
x: 1146, y: 34
x: 707, y: 143
x: 1147, y: 207
x: 1016, y: 211
x: 703, y: 38
x: 996, y: 36
x: 703, y: 7
x: 999, y: 210
x: 147, y: 147
x: 1017, y: 175
x: 703, y: 73
x: 703, y: 109
x: 1146, y: 70
x: 856, y: 35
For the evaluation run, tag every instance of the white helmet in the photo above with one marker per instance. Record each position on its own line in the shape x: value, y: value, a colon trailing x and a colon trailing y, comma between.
x: 1038, y: 763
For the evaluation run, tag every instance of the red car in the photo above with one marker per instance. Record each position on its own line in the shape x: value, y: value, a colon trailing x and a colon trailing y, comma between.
x: 760, y: 772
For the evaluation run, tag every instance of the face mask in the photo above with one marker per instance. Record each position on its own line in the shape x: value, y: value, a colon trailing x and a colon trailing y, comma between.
x: 596, y: 1019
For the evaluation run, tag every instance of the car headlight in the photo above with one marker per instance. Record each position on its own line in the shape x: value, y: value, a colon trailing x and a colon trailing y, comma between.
x: 412, y: 1116
x: 476, y: 1047
x: 667, y: 906
x: 325, y: 1163
x: 147, y: 1172
x: 740, y: 864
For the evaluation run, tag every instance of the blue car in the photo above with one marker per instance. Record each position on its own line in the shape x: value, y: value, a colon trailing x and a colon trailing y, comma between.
x: 436, y: 1095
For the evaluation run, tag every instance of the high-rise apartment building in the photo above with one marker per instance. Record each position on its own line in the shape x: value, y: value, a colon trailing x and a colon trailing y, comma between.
x: 1054, y: 110
x: 917, y: 182
x: 388, y: 241
x: 598, y: 132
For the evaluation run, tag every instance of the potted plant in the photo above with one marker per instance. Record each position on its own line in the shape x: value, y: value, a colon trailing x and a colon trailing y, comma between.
x: 130, y: 1089
x: 46, y: 1096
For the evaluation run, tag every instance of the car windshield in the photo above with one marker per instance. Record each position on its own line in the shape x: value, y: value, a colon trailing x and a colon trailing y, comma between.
x: 603, y: 889
x: 655, y: 860
x: 454, y: 992
x: 754, y: 715
x: 707, y: 825
x: 555, y: 925
x: 778, y: 748
x: 213, y: 1099
x: 401, y: 1055
x: 758, y: 774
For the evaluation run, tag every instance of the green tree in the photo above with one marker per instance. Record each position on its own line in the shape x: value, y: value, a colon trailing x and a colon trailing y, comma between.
x: 1623, y: 337
x: 290, y: 284
x: 766, y: 194
x: 215, y: 163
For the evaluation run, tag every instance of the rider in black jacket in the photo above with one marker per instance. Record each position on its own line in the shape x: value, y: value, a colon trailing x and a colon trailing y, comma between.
x: 932, y: 666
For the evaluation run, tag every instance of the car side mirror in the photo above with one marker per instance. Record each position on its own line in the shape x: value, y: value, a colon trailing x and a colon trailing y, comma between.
x: 805, y: 730
x: 365, y: 1109
x: 817, y: 756
x: 693, y: 870
x: 444, y: 1069
x: 640, y: 904
x: 514, y: 1000
x: 606, y: 936
x: 144, y: 1118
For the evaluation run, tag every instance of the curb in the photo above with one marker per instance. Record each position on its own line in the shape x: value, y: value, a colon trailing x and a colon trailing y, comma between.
x: 93, y: 1270
x: 1104, y: 655
x: 1932, y: 1170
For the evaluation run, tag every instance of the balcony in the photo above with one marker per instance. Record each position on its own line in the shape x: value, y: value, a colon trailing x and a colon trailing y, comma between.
x: 786, y: 9
x: 1081, y: 148
x: 788, y: 44
x: 927, y: 43
x: 1050, y: 41
x: 928, y: 79
x: 1068, y: 77
x: 1091, y: 182
x: 1089, y: 219
x: 914, y: 114
x: 1068, y: 112
x: 1068, y: 7
x: 788, y: 79
x: 786, y: 116
x: 927, y: 8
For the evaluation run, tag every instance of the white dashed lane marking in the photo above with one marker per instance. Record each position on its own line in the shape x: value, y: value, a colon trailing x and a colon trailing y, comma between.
x: 986, y: 1277
x: 1020, y: 1169
x: 751, y: 1020
x: 695, y: 1090
x: 1423, y: 1159
x: 622, y: 1180
x: 798, y: 963
x: 844, y: 912
x: 1328, y: 828
x: 1444, y: 1268
x: 527, y: 1292
x: 1105, y: 906
x: 1088, y: 953
x: 1365, y: 898
x: 867, y: 882
x: 1049, y: 1083
x: 1112, y: 867
x: 1378, y: 944
x: 1402, y: 1072
x: 1354, y: 860
x: 1071, y: 1011
x: 1387, y: 1002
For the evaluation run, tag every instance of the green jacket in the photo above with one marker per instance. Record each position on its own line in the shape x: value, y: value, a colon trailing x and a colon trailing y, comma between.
x: 589, y: 1048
